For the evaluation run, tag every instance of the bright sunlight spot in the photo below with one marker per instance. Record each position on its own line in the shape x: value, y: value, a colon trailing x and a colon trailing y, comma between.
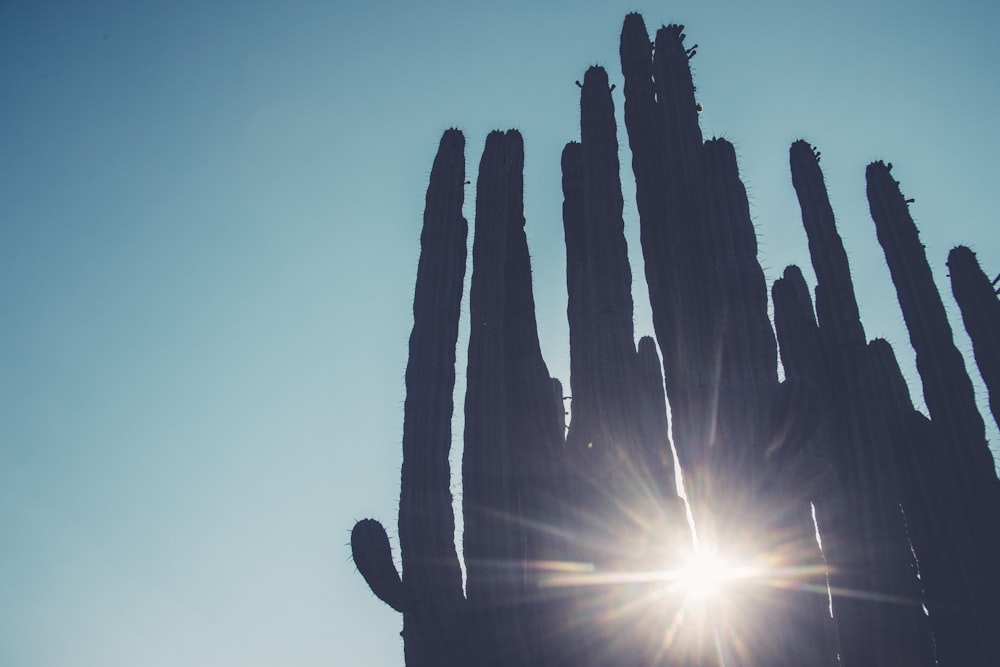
x: 705, y: 575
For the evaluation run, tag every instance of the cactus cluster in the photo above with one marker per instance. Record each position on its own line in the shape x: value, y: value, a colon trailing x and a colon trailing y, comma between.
x: 573, y: 533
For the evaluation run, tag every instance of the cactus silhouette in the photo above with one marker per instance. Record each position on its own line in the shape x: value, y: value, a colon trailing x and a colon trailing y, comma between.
x: 981, y: 314
x: 577, y: 545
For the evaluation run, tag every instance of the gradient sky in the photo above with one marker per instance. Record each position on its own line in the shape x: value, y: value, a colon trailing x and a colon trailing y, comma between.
x: 209, y: 225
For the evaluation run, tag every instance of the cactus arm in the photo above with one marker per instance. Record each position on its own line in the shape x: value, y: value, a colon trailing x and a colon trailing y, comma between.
x: 608, y: 276
x: 534, y: 429
x: 373, y: 558
x: 647, y: 143
x: 948, y: 390
x: 488, y: 494
x: 958, y: 581
x: 740, y: 325
x: 798, y: 337
x: 981, y: 315
x: 426, y: 521
x: 743, y: 275
x: 661, y: 119
x: 493, y: 539
x: 865, y: 509
x: 796, y: 328
x: 959, y: 453
x: 837, y: 311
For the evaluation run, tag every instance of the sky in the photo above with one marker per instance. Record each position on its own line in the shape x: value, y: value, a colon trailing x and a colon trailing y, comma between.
x: 209, y: 232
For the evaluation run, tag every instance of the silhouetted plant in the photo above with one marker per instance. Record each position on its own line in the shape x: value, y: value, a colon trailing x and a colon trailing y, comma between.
x: 576, y: 542
x: 980, y: 307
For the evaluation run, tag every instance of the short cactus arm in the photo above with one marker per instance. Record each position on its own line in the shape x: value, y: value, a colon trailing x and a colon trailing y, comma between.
x: 795, y: 324
x: 801, y: 356
x: 373, y: 557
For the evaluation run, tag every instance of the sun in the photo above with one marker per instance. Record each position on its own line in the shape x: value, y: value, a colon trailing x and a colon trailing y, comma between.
x: 705, y: 575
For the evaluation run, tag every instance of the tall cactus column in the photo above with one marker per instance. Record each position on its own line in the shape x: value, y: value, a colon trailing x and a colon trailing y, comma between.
x: 533, y: 423
x: 619, y: 412
x: 666, y: 145
x: 627, y: 508
x: 864, y: 528
x: 803, y: 435
x: 948, y: 390
x: 963, y: 458
x: 745, y: 353
x: 599, y: 279
x: 934, y: 522
x: 981, y: 315
x: 430, y: 593
x: 493, y: 539
x: 426, y: 523
x: 706, y: 289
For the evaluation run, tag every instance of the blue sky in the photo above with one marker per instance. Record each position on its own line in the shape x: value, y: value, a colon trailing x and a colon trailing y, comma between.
x: 209, y: 225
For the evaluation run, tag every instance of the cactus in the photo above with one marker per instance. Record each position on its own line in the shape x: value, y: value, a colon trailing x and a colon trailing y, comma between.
x: 573, y: 537
x: 601, y: 279
x: 869, y: 548
x: 947, y: 388
x: 430, y: 591
x: 706, y: 290
x: 966, y: 468
x: 666, y: 144
x: 981, y: 315
x: 950, y: 562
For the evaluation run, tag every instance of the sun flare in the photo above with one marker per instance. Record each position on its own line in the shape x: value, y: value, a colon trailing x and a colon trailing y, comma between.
x: 705, y: 575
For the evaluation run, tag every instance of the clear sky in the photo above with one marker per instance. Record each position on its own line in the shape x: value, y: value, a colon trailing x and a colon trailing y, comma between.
x: 209, y: 224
